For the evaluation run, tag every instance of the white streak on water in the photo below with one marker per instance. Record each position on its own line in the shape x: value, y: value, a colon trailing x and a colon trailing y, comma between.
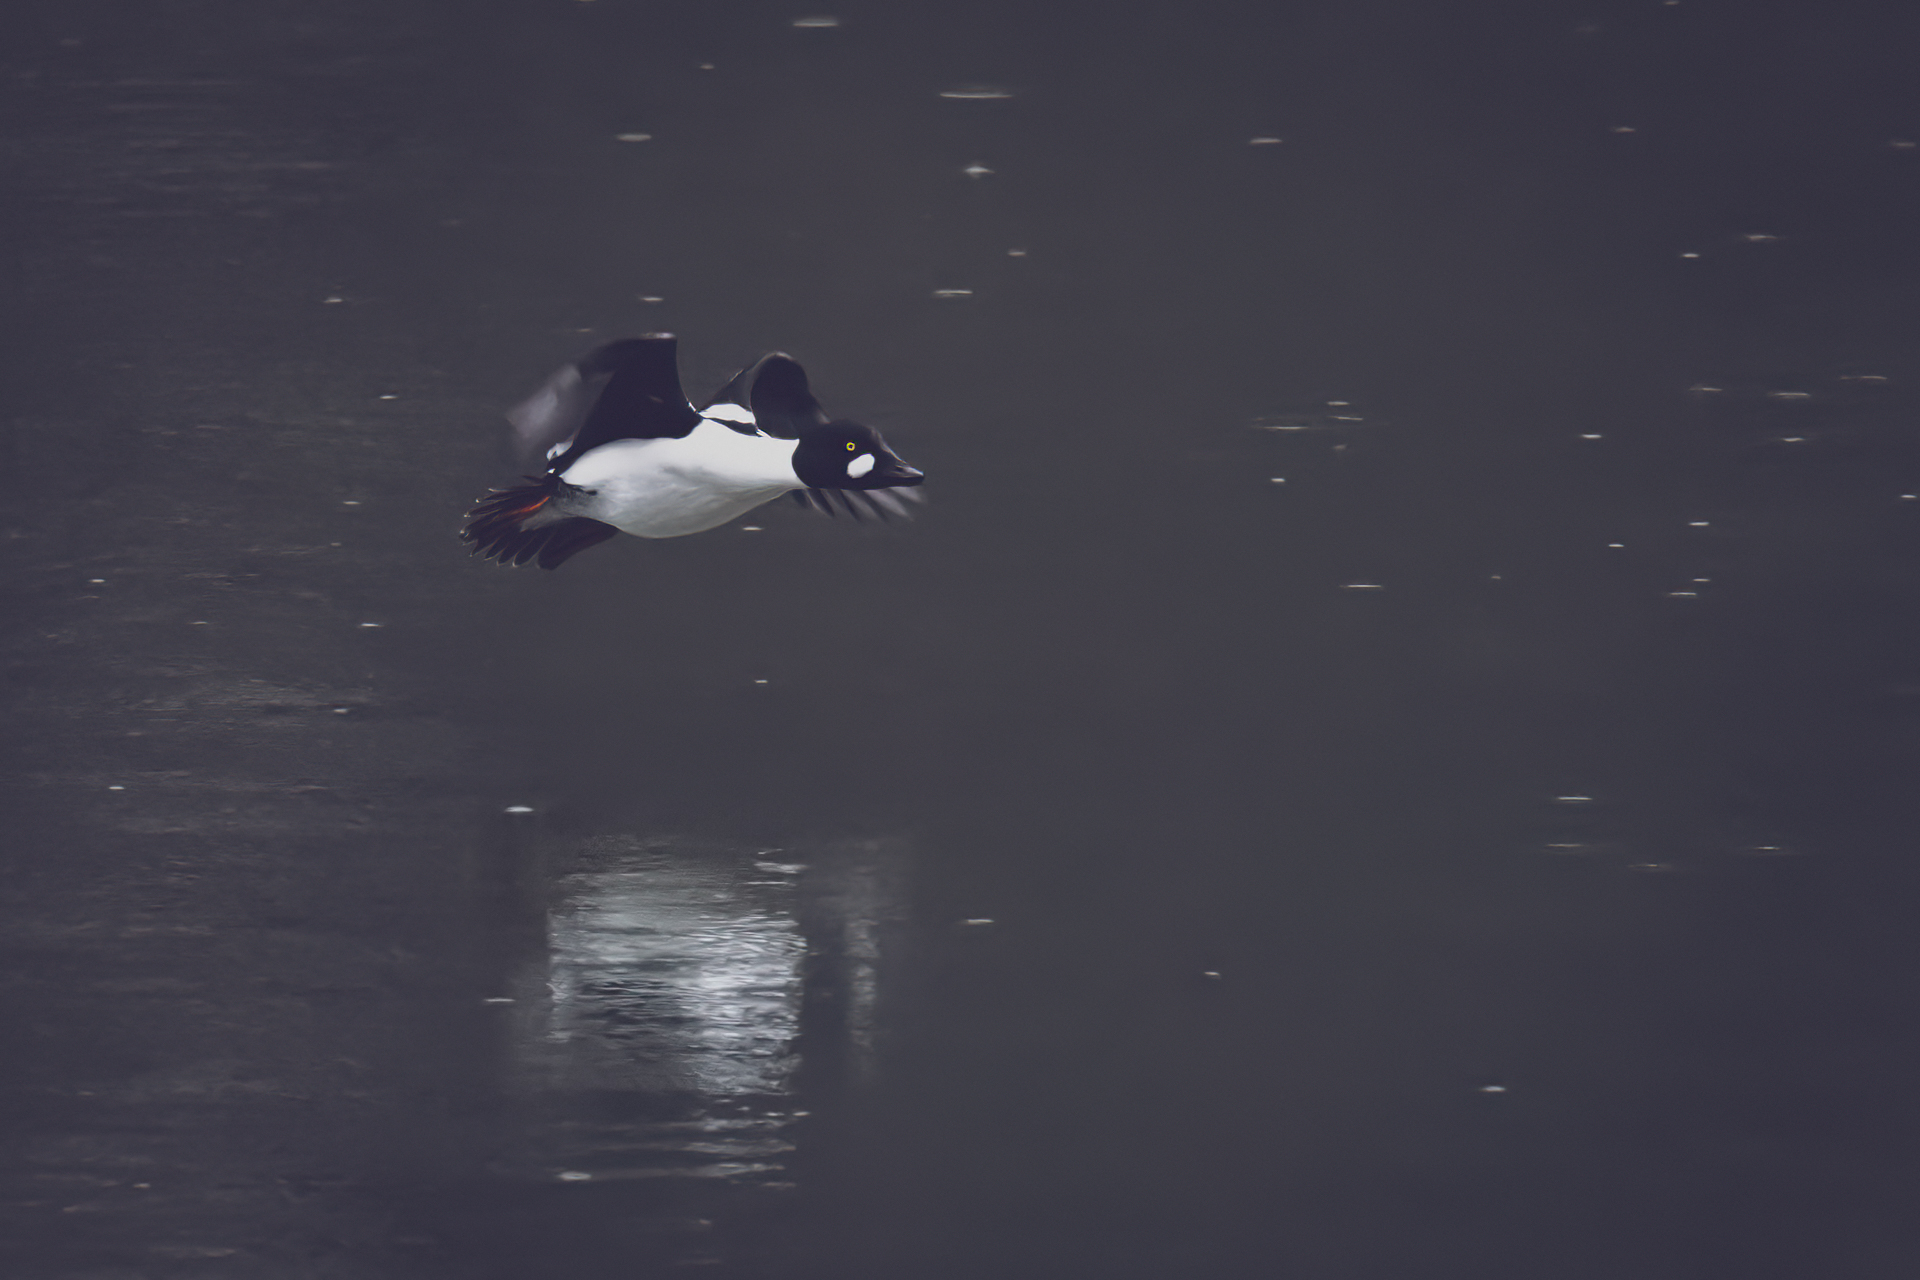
x: 669, y: 977
x: 658, y: 1029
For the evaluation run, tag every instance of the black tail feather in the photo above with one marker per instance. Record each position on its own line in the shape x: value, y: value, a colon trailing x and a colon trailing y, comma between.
x: 494, y: 529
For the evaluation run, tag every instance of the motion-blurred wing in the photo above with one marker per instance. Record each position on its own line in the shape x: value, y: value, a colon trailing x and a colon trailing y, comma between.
x: 547, y: 421
x: 625, y: 390
x: 888, y: 504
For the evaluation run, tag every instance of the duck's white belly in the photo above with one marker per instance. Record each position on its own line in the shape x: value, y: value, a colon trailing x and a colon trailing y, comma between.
x: 670, y: 488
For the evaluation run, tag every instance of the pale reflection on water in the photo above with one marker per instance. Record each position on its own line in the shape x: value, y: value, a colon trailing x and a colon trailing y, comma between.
x: 660, y: 1035
x: 673, y: 974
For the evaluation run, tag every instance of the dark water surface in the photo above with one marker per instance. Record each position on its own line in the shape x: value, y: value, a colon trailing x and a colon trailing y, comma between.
x: 1391, y: 752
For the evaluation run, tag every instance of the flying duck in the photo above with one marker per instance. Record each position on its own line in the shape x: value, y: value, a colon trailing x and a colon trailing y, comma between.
x: 627, y: 453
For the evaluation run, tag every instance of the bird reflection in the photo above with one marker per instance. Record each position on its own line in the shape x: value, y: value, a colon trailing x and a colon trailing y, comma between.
x: 674, y: 977
x: 661, y: 1032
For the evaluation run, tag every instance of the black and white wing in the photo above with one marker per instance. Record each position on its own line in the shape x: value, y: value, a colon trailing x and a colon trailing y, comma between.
x: 771, y: 397
x: 773, y: 393
x: 624, y: 390
x: 733, y: 403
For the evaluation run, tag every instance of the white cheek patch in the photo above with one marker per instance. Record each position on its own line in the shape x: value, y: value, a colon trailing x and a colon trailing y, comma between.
x: 860, y: 466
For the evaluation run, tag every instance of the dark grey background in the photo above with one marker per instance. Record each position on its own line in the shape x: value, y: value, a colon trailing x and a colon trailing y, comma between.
x: 1540, y: 908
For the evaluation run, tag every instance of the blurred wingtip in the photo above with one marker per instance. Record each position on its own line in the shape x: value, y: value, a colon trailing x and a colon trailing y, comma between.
x: 886, y: 504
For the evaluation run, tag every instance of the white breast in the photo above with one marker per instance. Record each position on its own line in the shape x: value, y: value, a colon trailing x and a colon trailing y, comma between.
x: 670, y: 488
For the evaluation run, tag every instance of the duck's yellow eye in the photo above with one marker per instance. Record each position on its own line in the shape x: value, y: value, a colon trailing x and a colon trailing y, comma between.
x: 851, y: 446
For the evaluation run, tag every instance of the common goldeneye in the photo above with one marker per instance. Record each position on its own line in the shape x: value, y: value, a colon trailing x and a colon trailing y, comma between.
x: 627, y: 453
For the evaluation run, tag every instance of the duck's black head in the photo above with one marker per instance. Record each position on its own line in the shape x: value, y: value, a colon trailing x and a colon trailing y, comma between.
x: 848, y: 455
